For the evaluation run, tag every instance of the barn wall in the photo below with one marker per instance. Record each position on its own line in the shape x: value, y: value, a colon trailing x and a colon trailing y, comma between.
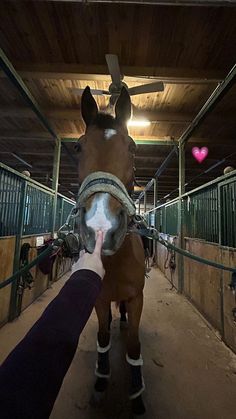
x: 207, y: 287
x: 163, y: 262
x: 202, y: 283
x: 41, y: 281
x: 229, y: 301
x: 7, y: 249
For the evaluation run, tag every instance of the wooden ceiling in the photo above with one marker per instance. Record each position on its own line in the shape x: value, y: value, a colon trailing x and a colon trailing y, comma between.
x: 56, y: 45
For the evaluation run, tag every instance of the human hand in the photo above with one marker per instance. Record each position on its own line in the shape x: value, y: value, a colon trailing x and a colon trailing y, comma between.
x: 92, y: 261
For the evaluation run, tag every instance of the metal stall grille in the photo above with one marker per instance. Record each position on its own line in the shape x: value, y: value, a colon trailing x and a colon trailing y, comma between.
x: 64, y: 208
x: 209, y: 213
x: 201, y: 215
x: 159, y: 218
x: 38, y: 211
x: 58, y: 221
x: 67, y: 207
x: 10, y: 198
x: 171, y: 219
x: 227, y: 216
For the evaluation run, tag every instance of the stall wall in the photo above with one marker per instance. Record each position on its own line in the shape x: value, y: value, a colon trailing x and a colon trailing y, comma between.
x: 207, y: 287
x: 228, y: 257
x: 7, y: 250
x: 163, y: 258
x: 41, y: 281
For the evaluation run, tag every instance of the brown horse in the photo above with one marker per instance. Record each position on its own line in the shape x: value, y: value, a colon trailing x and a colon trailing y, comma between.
x: 106, y: 157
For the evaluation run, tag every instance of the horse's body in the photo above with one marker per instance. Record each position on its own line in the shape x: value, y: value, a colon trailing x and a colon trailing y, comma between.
x: 106, y: 148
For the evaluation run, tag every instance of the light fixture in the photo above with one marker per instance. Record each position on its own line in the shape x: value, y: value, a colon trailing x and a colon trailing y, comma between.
x: 138, y: 123
x: 139, y: 188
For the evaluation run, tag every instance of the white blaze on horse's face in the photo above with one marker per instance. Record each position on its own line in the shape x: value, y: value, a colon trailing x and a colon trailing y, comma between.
x: 108, y: 133
x: 99, y: 217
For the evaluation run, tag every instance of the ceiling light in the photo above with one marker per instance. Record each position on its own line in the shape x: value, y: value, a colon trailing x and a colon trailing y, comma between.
x: 138, y: 123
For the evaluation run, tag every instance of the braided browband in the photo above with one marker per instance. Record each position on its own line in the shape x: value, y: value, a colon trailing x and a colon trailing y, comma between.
x: 106, y: 182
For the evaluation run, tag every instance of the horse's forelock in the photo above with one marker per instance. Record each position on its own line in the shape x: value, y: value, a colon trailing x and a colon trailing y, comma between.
x: 105, y: 121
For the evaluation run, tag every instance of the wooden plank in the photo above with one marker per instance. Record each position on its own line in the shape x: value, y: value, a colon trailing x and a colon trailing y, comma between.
x: 228, y: 257
x: 205, y: 281
x: 74, y: 71
x: 26, y: 135
x: 75, y: 114
x: 40, y: 283
x: 7, y: 249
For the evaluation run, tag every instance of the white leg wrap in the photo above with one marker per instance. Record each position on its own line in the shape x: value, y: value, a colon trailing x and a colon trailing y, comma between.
x: 134, y: 362
x: 100, y: 375
x: 102, y: 350
x: 133, y: 396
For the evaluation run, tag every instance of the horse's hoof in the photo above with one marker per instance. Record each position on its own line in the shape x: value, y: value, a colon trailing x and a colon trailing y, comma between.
x: 138, y: 407
x: 123, y: 324
x: 101, y: 384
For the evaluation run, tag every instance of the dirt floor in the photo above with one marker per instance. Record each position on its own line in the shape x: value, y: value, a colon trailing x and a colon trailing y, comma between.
x: 189, y: 373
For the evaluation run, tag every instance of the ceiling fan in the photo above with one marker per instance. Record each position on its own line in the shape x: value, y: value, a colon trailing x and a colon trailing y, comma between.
x: 117, y: 83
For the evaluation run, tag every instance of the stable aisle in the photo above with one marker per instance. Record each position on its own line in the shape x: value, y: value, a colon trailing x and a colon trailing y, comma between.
x: 189, y: 373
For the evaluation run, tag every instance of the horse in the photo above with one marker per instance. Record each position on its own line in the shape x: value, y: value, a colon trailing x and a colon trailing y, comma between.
x: 106, y: 178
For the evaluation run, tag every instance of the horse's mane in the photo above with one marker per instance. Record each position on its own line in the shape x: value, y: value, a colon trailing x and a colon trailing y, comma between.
x: 105, y: 121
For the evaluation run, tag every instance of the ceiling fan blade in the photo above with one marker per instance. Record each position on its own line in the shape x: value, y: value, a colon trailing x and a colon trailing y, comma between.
x: 114, y: 68
x: 147, y: 88
x: 95, y: 92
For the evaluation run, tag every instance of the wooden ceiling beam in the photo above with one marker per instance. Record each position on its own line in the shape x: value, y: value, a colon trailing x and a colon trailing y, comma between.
x: 62, y: 71
x: 26, y: 135
x: 44, y: 137
x: 75, y: 114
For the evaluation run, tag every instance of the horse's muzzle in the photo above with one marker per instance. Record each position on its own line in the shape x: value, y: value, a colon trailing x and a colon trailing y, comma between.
x: 113, y: 236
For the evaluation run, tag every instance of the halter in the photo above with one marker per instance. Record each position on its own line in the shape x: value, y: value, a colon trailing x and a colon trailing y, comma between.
x: 105, y: 182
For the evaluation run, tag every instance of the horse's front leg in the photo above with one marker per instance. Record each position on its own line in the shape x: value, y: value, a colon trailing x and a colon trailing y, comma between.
x: 133, y: 356
x: 102, y: 370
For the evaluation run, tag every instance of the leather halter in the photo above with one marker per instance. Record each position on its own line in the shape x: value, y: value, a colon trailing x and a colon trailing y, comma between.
x: 98, y: 182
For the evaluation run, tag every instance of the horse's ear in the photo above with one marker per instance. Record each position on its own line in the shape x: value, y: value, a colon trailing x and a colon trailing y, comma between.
x: 89, y: 109
x: 123, y: 107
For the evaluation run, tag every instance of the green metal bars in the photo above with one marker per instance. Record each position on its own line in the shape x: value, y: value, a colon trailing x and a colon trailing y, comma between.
x: 33, y: 215
x: 209, y: 213
x: 167, y: 219
x: 171, y: 219
x: 201, y: 215
x: 38, y: 211
x: 227, y: 215
x: 64, y: 208
x: 10, y: 197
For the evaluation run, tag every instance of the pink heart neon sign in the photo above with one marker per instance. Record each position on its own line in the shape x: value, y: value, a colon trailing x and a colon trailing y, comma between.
x: 199, y: 153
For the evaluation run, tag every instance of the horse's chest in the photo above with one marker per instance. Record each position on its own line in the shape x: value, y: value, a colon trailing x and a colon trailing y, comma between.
x: 120, y: 290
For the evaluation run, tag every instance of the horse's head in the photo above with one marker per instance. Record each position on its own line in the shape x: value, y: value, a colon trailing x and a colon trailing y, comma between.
x: 105, y: 147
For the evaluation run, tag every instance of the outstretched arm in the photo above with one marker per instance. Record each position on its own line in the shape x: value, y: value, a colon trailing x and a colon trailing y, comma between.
x: 31, y: 376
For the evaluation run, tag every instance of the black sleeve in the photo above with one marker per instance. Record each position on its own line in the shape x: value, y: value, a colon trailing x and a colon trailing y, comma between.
x: 31, y: 376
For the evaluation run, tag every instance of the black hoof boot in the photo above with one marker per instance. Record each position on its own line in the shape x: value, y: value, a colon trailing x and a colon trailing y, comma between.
x: 101, y: 384
x: 138, y: 407
x: 99, y: 392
